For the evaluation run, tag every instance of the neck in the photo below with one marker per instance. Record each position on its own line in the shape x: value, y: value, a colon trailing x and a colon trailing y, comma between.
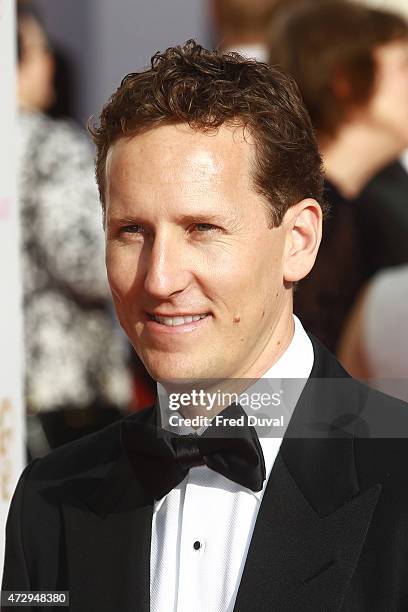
x: 355, y: 155
x: 275, y: 346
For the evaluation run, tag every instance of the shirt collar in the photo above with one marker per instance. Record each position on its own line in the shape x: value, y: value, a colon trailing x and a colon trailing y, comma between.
x: 297, y: 360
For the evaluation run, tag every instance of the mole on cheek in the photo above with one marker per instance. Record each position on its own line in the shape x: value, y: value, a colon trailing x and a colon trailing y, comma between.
x: 237, y: 319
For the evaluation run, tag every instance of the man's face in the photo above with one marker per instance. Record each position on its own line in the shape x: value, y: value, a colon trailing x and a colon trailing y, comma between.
x: 187, y: 236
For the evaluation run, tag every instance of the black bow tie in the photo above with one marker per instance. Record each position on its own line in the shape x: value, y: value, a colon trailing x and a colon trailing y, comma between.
x: 162, y: 459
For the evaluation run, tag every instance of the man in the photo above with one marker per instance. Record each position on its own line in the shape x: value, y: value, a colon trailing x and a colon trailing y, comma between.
x: 210, y: 179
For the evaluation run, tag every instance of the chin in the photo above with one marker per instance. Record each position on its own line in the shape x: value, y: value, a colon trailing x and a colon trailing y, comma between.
x: 176, y: 370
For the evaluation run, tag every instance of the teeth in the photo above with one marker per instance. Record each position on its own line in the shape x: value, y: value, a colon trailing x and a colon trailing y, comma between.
x: 173, y: 321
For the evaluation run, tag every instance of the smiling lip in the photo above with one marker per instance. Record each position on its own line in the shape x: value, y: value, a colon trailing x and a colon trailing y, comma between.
x: 156, y: 327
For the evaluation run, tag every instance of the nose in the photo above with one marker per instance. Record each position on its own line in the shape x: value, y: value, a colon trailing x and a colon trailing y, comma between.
x: 166, y: 272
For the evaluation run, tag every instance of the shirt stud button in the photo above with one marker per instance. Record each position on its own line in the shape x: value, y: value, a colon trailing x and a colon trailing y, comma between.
x: 197, y: 545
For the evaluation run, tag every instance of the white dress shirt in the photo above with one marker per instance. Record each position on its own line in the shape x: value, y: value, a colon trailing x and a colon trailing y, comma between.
x: 201, y: 530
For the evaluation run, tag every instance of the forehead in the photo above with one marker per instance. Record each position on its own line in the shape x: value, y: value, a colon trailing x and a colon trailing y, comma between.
x: 179, y: 155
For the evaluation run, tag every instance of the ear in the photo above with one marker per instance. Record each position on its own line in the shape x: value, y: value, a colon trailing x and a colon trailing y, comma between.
x: 303, y: 233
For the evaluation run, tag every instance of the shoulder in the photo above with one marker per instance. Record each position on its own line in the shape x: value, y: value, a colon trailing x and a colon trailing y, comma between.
x: 90, y: 455
x: 51, y: 129
x: 45, y: 485
x: 54, y: 140
x: 380, y: 442
x: 377, y: 422
x: 93, y: 453
x: 61, y: 478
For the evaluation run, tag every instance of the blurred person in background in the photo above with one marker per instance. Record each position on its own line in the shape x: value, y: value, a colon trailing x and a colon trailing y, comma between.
x: 75, y: 355
x: 351, y: 64
x: 375, y: 339
x: 382, y: 218
x: 242, y: 26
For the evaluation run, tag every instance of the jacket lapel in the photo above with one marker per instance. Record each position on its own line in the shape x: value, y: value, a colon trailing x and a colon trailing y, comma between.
x: 108, y: 548
x: 313, y: 519
x: 297, y: 559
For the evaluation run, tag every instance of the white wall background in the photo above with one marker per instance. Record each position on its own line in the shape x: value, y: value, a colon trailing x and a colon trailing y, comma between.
x: 11, y: 406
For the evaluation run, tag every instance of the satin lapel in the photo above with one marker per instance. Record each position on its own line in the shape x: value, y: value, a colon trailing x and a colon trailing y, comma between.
x: 108, y: 532
x: 298, y: 560
x: 313, y: 518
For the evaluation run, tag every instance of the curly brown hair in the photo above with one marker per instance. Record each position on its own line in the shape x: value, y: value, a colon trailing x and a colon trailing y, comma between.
x: 206, y: 89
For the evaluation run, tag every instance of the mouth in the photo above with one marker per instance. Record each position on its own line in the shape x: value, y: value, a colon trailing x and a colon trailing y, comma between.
x: 177, y: 320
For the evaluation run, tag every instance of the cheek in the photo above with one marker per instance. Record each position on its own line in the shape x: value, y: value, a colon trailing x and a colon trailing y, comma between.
x: 122, y: 272
x: 267, y: 286
x: 248, y: 284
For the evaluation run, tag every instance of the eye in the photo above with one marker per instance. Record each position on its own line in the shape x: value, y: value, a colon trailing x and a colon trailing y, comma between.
x: 132, y: 229
x: 131, y: 233
x: 205, y: 227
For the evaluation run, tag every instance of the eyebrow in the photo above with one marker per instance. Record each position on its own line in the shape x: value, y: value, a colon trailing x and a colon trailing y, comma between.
x: 127, y: 220
x: 203, y: 217
x: 199, y: 217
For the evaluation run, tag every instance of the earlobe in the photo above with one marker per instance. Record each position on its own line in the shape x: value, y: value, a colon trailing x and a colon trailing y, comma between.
x: 303, y: 236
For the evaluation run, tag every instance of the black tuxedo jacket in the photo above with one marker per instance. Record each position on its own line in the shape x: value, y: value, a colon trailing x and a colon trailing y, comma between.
x: 331, y: 533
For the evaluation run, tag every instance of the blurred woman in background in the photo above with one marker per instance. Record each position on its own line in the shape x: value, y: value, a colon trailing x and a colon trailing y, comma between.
x: 351, y: 64
x: 75, y: 355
